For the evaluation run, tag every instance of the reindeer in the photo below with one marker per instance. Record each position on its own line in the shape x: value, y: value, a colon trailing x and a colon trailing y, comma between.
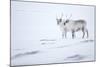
x: 72, y: 26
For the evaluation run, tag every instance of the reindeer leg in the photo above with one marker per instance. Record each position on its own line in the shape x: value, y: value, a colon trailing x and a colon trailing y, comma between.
x: 83, y: 32
x: 73, y: 34
x: 62, y: 35
x: 87, y: 33
x: 65, y: 34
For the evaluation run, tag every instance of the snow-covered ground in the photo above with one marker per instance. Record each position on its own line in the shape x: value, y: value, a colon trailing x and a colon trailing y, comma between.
x: 36, y: 38
x: 56, y: 51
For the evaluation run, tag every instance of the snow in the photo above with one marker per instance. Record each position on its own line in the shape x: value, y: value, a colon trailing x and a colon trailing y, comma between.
x: 56, y: 53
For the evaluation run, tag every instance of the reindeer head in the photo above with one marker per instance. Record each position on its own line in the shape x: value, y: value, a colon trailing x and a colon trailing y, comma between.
x: 59, y: 20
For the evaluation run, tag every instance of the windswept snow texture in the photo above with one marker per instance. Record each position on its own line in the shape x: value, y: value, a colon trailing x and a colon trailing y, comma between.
x: 36, y: 38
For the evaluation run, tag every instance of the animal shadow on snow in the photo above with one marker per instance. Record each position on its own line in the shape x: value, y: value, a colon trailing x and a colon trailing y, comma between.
x: 75, y: 57
x: 24, y: 54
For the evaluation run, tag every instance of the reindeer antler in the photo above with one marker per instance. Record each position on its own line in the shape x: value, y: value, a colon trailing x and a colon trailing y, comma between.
x: 70, y: 16
x: 61, y: 15
x: 66, y: 16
